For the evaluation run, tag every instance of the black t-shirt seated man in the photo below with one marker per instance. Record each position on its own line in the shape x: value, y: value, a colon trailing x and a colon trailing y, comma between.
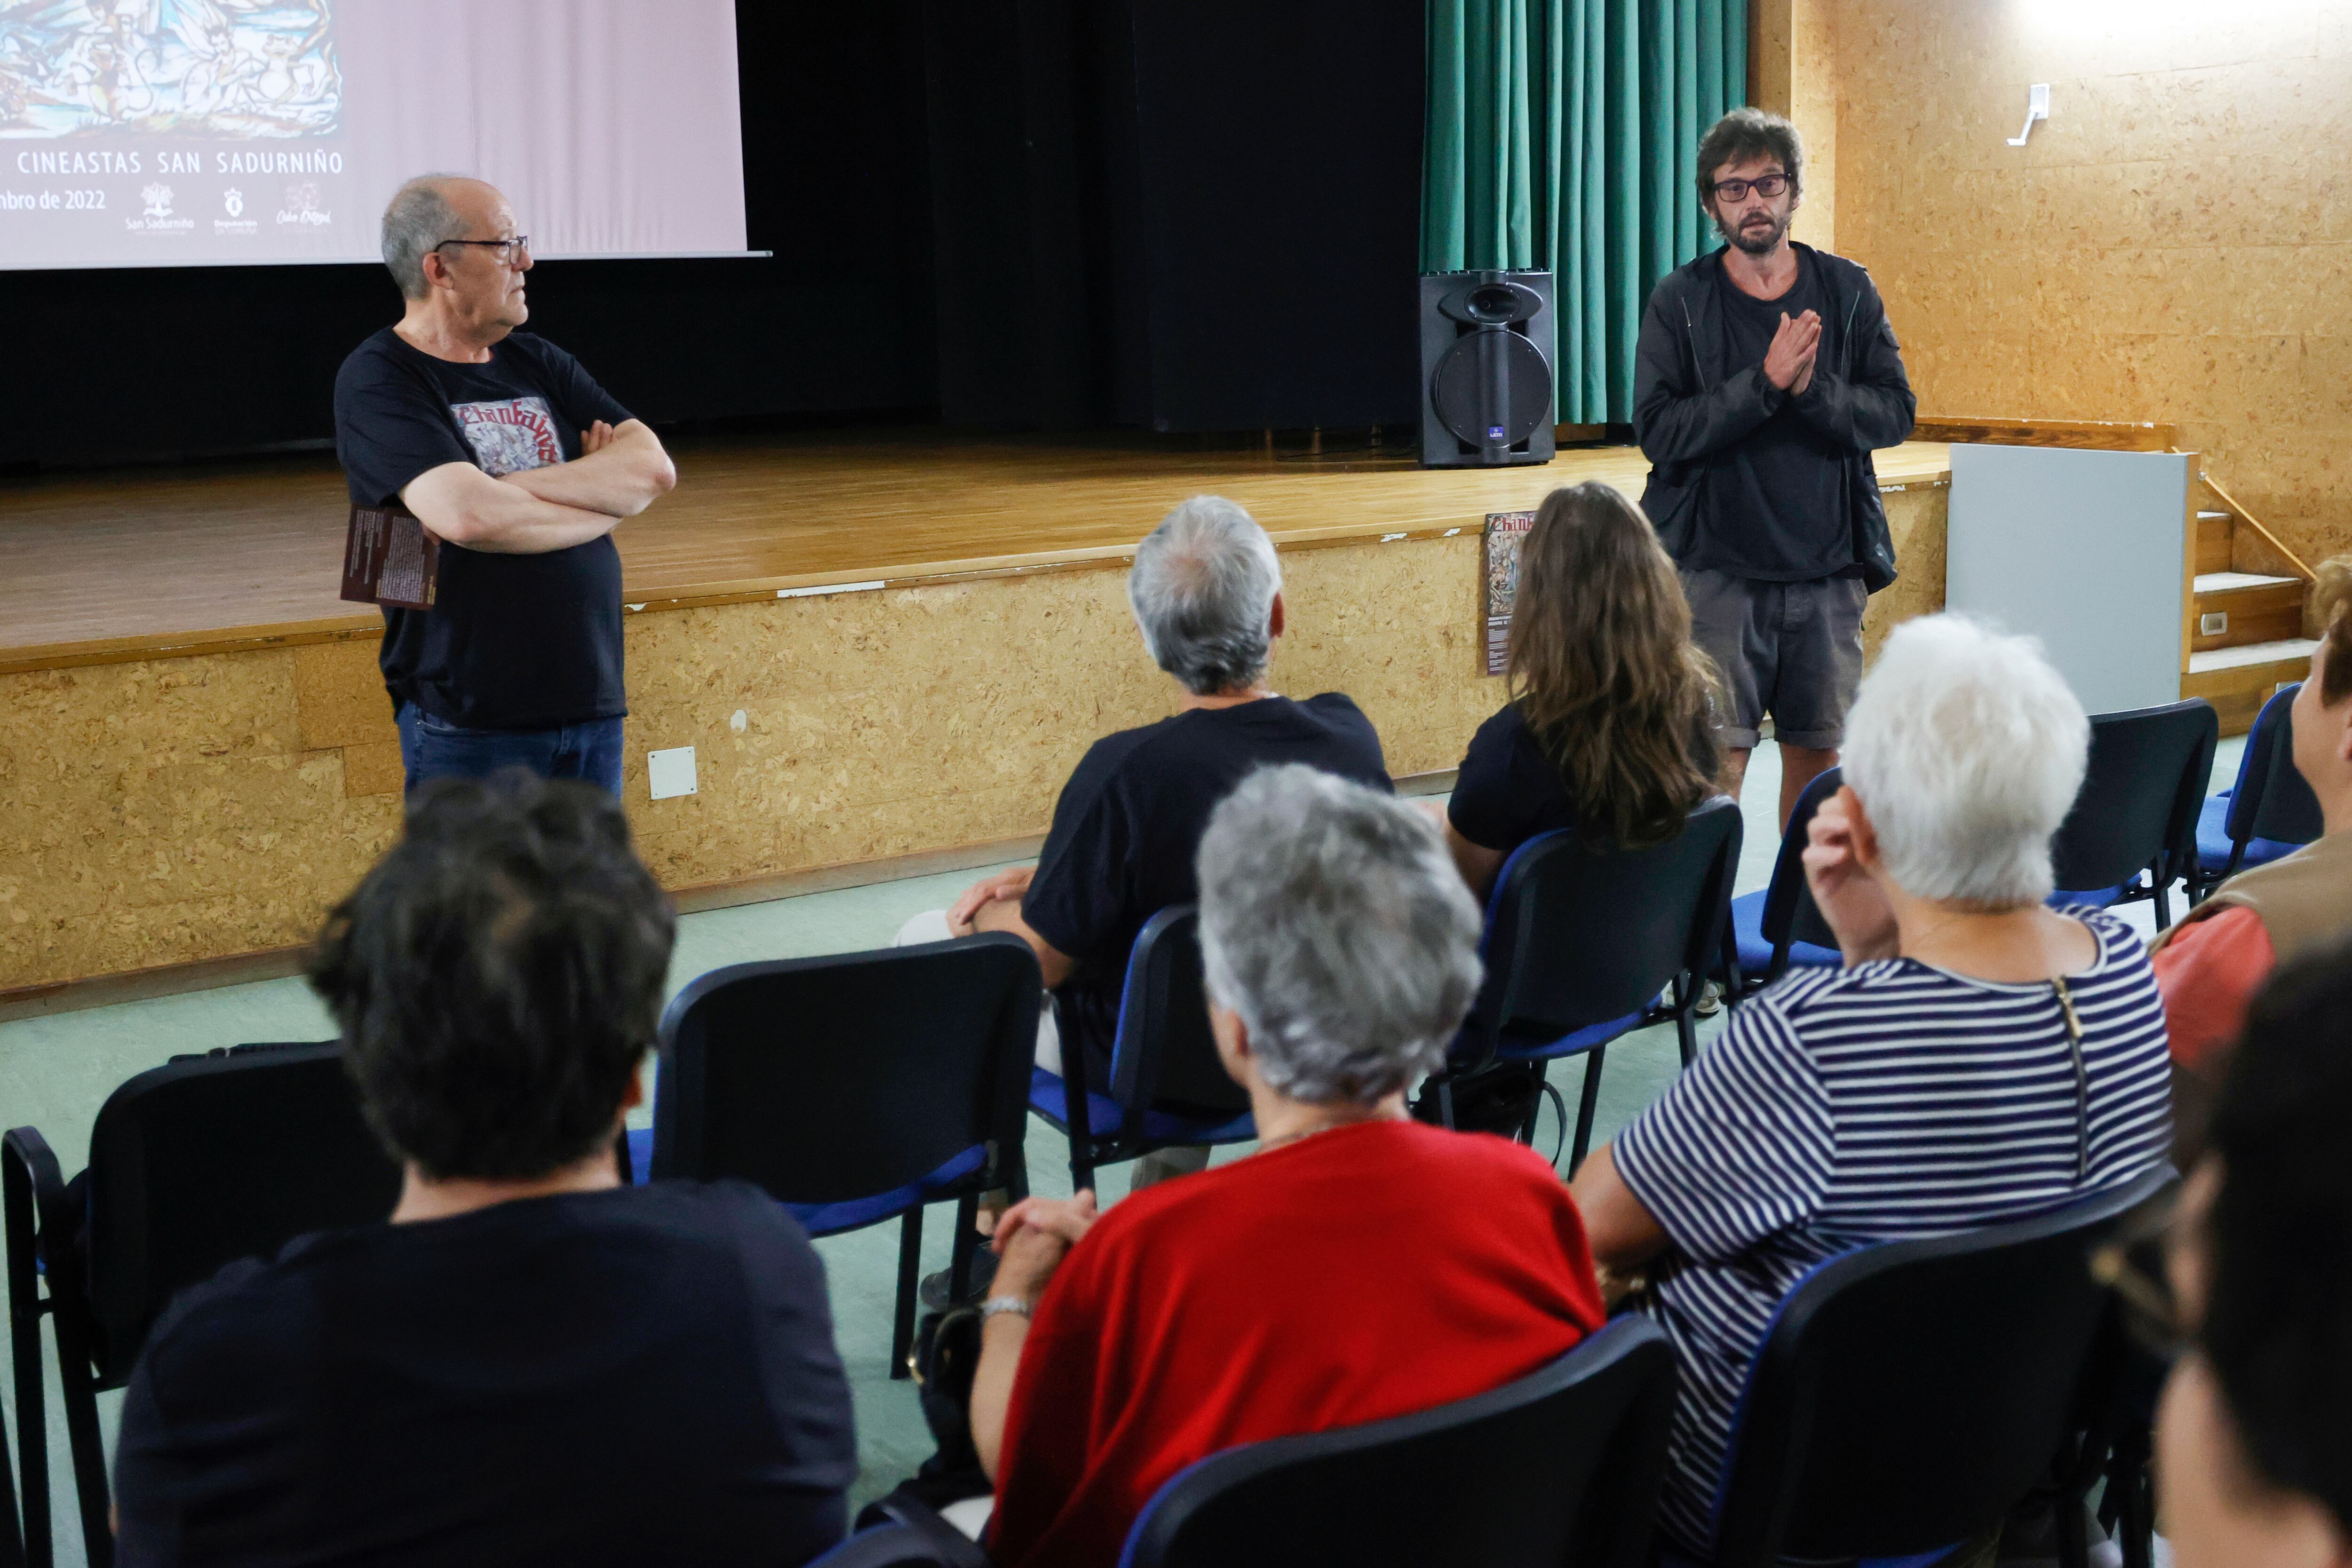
x: 1129, y: 822
x: 529, y: 1364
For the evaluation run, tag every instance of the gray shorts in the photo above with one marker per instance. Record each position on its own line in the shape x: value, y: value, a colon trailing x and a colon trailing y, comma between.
x: 1790, y: 649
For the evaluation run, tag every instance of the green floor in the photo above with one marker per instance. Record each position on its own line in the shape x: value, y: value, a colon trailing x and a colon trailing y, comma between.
x: 55, y: 1073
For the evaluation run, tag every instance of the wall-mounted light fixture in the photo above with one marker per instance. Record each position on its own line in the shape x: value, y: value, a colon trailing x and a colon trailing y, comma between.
x: 2037, y: 106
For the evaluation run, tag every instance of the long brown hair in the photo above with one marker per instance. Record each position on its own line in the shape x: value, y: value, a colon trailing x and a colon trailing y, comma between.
x: 1603, y: 669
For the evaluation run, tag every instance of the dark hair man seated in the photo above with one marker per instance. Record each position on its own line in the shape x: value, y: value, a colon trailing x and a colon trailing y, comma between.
x: 2255, y: 1438
x: 529, y: 1363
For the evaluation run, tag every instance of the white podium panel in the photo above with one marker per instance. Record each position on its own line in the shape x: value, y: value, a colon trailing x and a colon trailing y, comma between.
x: 2086, y: 551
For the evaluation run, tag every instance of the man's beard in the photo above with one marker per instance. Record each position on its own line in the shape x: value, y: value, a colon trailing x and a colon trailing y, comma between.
x: 1756, y: 241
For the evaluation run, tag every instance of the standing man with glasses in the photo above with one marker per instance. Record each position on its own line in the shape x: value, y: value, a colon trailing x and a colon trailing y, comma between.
x: 505, y: 448
x: 1766, y: 374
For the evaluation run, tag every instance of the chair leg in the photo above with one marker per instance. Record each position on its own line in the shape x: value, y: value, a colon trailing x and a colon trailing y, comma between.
x: 82, y: 1438
x: 911, y: 1265
x: 966, y: 1242
x: 2073, y: 1541
x: 2163, y: 885
x: 1587, y: 1100
x: 24, y: 1311
x: 1686, y: 1031
x: 1534, y: 1105
x: 2128, y: 1484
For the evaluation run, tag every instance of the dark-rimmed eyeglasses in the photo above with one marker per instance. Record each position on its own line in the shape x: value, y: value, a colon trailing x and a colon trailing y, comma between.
x: 1765, y: 185
x: 508, y: 249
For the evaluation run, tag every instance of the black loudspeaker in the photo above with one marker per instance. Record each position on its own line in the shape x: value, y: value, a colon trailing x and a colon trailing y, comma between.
x: 1486, y: 369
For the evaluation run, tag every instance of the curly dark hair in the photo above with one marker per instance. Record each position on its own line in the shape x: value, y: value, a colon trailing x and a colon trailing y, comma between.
x: 1749, y: 133
x: 2278, y: 1323
x: 497, y: 977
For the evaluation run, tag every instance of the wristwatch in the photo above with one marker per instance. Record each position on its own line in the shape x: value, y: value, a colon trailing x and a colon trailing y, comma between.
x: 995, y: 1304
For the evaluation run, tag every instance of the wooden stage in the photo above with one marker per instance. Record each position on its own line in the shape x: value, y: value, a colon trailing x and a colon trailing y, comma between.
x: 133, y: 564
x: 886, y: 652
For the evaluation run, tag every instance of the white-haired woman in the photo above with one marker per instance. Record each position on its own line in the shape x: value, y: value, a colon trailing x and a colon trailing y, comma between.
x: 1360, y: 1265
x: 1979, y: 1056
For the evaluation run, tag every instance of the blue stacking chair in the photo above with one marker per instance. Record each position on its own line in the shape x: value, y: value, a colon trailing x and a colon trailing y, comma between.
x: 1581, y: 943
x: 2132, y: 830
x: 192, y: 1165
x: 2268, y: 812
x: 1167, y: 1086
x: 1562, y: 1465
x: 1908, y: 1394
x: 854, y: 1087
x: 1780, y: 928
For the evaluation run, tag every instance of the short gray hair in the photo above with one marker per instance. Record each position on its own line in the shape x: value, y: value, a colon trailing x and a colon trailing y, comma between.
x: 417, y: 218
x: 1968, y: 750
x: 1334, y: 922
x: 1202, y: 591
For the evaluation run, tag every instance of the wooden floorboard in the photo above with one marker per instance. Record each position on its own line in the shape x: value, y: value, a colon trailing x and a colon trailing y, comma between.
x: 110, y: 565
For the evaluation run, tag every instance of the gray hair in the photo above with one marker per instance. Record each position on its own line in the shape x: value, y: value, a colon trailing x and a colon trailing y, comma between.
x: 1968, y: 750
x: 1334, y: 922
x: 1202, y: 591
x: 417, y: 218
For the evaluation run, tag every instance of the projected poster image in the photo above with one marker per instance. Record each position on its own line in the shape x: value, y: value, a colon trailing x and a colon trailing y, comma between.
x: 238, y: 68
x: 159, y: 132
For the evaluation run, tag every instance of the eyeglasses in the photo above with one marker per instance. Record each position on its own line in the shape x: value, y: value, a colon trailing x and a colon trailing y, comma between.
x: 508, y: 249
x: 1765, y: 185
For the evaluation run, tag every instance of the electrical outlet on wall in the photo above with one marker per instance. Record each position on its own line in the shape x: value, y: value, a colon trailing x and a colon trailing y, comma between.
x: 670, y: 773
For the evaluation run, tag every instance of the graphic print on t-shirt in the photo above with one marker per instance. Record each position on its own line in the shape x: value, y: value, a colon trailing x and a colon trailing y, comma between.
x: 511, y: 435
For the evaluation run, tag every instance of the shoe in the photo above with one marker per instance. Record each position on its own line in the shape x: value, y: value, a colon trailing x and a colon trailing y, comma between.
x: 1710, y: 999
x: 934, y: 1292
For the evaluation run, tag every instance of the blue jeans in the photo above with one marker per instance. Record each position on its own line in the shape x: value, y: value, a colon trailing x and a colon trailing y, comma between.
x: 432, y: 748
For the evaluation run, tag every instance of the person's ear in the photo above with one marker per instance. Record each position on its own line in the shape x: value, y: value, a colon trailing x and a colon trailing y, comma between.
x: 1866, y: 832
x: 634, y: 1094
x: 1232, y: 1043
x: 1275, y: 617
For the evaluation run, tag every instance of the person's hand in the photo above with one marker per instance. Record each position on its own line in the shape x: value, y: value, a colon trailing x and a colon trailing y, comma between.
x: 1033, y: 1238
x: 1010, y: 883
x: 1848, y: 896
x: 595, y: 438
x: 1792, y: 353
x: 1805, y: 376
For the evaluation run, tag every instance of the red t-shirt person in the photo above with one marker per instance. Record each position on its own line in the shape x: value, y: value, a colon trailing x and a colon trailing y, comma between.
x: 1364, y: 1273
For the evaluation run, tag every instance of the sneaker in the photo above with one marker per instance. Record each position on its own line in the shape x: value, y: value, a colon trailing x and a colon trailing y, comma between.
x: 1710, y: 999
x: 934, y: 1292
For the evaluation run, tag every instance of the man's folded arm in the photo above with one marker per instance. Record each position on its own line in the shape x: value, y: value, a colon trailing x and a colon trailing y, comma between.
x: 620, y: 481
x: 465, y: 507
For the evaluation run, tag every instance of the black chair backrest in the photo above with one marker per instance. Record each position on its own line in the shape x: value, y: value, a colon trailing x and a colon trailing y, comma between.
x: 204, y: 1161
x: 1790, y: 912
x: 2141, y: 792
x: 827, y: 1079
x: 1578, y: 934
x: 1909, y: 1393
x: 1561, y: 1466
x: 2273, y: 799
x: 1164, y: 1053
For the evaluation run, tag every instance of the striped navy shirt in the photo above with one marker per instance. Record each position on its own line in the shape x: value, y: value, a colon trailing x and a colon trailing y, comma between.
x: 1881, y: 1103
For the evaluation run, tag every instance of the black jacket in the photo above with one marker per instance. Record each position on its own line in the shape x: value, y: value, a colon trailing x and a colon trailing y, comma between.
x: 1690, y: 407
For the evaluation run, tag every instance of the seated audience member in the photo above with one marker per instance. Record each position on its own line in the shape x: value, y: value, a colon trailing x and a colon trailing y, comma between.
x: 1609, y: 727
x: 529, y: 1363
x: 2254, y: 1434
x: 2220, y: 952
x: 1207, y: 594
x: 1980, y: 1057
x: 1360, y: 1265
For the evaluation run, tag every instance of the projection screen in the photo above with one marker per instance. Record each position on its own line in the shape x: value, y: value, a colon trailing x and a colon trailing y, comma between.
x: 178, y: 132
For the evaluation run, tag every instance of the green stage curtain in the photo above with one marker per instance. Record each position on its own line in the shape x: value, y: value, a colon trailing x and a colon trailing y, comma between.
x: 1561, y: 138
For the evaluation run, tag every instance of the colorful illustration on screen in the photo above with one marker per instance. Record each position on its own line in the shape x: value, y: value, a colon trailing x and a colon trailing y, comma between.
x: 238, y: 69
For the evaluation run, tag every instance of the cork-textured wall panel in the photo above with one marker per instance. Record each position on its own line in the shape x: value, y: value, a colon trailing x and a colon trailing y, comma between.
x: 1792, y: 72
x: 181, y: 809
x: 2174, y: 243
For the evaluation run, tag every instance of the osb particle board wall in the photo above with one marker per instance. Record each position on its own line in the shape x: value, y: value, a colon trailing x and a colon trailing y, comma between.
x: 177, y: 811
x: 2174, y: 243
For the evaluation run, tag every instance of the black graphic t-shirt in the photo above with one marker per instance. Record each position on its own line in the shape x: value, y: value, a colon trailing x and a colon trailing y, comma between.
x: 512, y: 642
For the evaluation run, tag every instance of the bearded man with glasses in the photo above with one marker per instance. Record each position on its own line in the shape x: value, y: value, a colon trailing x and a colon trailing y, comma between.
x: 1766, y: 374
x: 508, y: 450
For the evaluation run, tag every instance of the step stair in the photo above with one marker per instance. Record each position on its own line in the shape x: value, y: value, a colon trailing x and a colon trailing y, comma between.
x: 2246, y: 622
